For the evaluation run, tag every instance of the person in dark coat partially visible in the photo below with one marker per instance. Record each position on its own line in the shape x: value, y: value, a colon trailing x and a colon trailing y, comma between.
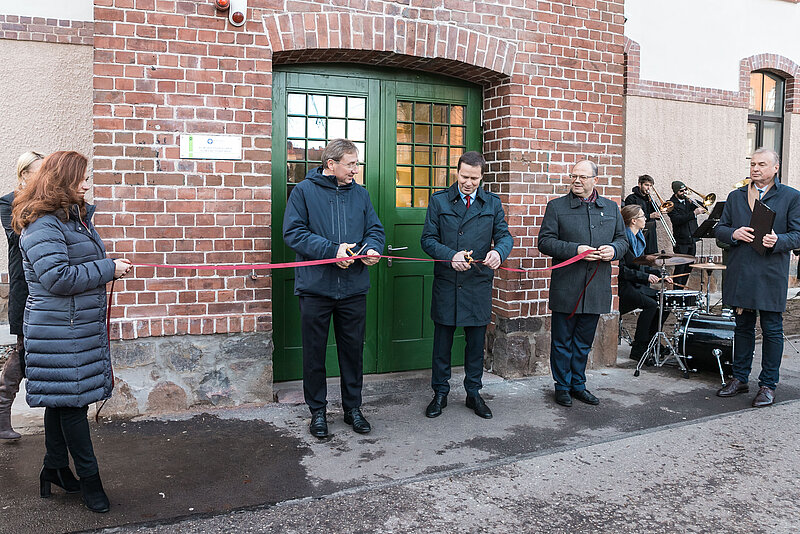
x: 329, y: 215
x: 684, y: 224
x: 14, y: 369
x: 463, y: 220
x: 68, y: 358
x: 640, y: 196
x: 756, y: 284
x: 580, y: 221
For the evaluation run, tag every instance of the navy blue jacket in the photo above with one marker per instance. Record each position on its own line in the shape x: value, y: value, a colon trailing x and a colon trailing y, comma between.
x: 751, y: 280
x: 17, y: 288
x: 568, y: 223
x: 68, y: 360
x: 464, y: 298
x: 320, y: 215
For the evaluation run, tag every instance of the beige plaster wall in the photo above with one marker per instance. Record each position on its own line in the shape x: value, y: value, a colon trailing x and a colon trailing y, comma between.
x: 45, y: 104
x: 791, y: 150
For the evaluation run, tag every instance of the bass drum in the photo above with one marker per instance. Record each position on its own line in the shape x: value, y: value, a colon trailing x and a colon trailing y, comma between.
x: 699, y: 335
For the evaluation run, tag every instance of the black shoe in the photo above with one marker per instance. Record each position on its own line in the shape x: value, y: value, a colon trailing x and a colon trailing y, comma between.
x: 319, y: 425
x: 356, y: 418
x: 93, y: 495
x: 434, y: 409
x: 734, y: 387
x: 585, y: 396
x: 563, y: 398
x: 477, y: 404
x: 63, y: 478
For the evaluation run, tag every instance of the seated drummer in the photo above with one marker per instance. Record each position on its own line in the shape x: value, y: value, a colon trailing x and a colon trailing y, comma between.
x: 634, y: 283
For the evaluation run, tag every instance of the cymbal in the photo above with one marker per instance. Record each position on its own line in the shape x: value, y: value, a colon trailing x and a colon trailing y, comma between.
x: 664, y: 258
x: 709, y: 266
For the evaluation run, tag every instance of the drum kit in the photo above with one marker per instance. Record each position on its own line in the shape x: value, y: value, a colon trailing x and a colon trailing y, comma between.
x: 698, y: 335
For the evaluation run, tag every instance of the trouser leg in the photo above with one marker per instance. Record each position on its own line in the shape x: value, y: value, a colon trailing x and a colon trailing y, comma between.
x: 691, y: 250
x: 561, y: 331
x: 648, y: 317
x: 744, y: 341
x: 349, y: 321
x: 771, y: 348
x: 315, y: 318
x: 78, y: 438
x: 442, y: 347
x: 55, y: 444
x: 582, y: 339
x: 475, y: 337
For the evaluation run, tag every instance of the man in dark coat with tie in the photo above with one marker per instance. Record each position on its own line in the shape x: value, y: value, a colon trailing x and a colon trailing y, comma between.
x: 463, y: 221
x: 756, y: 284
x: 580, y: 221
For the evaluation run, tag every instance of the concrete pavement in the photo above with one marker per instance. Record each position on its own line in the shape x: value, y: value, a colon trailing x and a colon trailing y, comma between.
x: 654, y: 456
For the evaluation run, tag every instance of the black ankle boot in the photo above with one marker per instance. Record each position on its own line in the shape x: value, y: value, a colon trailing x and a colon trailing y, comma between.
x: 63, y: 478
x: 93, y: 495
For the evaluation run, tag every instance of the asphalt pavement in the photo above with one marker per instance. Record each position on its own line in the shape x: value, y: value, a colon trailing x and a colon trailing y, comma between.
x: 661, y: 453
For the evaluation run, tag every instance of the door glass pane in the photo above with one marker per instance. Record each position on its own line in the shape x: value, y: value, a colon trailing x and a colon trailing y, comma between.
x: 752, y: 137
x: 773, y: 96
x: 756, y: 81
x: 430, y: 140
x: 309, y: 127
x: 772, y: 136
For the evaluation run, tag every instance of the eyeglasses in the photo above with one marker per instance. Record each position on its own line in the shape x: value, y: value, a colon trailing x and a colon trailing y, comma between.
x: 640, y: 217
x: 352, y: 166
x: 580, y: 177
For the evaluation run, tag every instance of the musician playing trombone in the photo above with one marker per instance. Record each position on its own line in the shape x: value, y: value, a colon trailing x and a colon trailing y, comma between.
x: 684, y: 224
x: 640, y: 196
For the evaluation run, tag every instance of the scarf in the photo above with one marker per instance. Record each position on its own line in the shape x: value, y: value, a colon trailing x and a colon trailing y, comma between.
x: 636, y: 240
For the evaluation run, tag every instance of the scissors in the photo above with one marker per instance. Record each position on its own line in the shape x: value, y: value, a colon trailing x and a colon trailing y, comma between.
x: 351, y: 253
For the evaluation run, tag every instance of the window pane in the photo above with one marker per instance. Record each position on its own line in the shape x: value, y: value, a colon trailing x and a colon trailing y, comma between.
x: 455, y: 153
x: 439, y: 155
x: 440, y: 177
x: 337, y: 106
x: 295, y: 172
x: 457, y: 136
x: 296, y: 104
x: 337, y: 128
x: 457, y: 115
x: 316, y: 105
x: 356, y: 108
x: 404, y: 111
x: 422, y: 134
x: 404, y: 155
x: 296, y: 127
x: 773, y: 96
x: 315, y: 149
x: 440, y: 113
x: 752, y: 132
x: 295, y: 149
x: 403, y: 197
x: 421, y: 155
x: 772, y: 136
x: 422, y: 112
x: 756, y: 80
x: 356, y: 130
x: 403, y: 176
x: 316, y: 128
x: 362, y: 152
x: 421, y: 176
x: 404, y: 133
x: 439, y: 135
x: 421, y: 198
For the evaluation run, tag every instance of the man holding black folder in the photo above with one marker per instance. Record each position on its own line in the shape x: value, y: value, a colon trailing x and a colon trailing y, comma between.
x: 761, y: 222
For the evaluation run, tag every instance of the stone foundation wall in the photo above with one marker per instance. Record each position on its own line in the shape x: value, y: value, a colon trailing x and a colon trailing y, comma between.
x: 521, y: 347
x: 168, y: 374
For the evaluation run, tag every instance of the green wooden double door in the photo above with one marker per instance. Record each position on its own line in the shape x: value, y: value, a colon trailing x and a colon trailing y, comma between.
x: 410, y: 130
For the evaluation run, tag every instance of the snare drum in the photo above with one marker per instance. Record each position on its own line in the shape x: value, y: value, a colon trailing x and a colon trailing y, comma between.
x: 683, y: 299
x: 699, y: 334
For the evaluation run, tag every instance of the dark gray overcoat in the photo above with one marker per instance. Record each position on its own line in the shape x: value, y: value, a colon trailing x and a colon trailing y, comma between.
x: 68, y: 360
x: 464, y: 298
x: 751, y: 280
x: 568, y: 223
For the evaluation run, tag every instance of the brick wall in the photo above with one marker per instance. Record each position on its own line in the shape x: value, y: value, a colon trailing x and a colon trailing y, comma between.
x: 552, y: 73
x: 46, y: 30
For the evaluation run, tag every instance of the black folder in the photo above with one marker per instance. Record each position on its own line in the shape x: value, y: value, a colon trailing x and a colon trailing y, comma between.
x: 761, y: 222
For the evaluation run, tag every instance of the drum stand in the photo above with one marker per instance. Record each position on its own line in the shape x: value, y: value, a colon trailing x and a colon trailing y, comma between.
x: 654, y: 347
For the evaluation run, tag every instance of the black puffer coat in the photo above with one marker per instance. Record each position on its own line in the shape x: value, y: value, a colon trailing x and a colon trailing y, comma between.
x: 68, y: 357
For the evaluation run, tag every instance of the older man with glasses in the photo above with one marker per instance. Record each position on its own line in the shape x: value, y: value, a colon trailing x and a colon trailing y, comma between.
x: 580, y: 221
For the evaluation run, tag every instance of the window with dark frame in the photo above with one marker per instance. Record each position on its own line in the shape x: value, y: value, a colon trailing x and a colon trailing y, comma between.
x: 765, y: 118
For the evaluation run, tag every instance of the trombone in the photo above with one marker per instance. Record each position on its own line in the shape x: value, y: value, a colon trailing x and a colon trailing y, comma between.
x: 707, y: 200
x: 742, y: 183
x: 664, y: 207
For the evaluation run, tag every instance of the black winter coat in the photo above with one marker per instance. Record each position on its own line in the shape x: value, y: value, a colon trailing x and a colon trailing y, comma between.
x: 68, y: 360
x: 751, y: 280
x: 17, y: 287
x: 684, y: 221
x: 320, y: 215
x: 568, y: 223
x: 634, y: 280
x: 637, y: 198
x: 464, y: 298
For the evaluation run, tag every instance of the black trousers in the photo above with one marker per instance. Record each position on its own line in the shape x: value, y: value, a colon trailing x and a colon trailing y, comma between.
x: 473, y: 358
x: 67, y: 430
x: 349, y: 320
x: 691, y: 250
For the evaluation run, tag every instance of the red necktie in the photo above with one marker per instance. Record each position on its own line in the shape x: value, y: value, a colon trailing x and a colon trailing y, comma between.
x: 469, y: 198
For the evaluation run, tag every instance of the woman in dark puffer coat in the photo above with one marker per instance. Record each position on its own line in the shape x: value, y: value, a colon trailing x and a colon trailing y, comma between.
x: 68, y: 359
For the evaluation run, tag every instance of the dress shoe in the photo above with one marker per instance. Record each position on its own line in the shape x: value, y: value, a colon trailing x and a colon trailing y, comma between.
x: 356, y: 418
x: 93, y: 494
x: 434, y: 409
x: 734, y: 387
x: 63, y: 478
x: 586, y: 396
x: 477, y: 404
x: 563, y: 398
x: 765, y: 397
x: 319, y: 424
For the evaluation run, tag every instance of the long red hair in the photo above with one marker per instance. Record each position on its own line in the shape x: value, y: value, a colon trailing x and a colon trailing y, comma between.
x: 54, y: 188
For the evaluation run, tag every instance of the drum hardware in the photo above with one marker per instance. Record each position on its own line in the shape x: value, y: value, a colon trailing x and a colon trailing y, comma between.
x: 683, y: 299
x: 662, y: 259
x: 708, y: 267
x: 703, y: 336
x: 742, y: 183
x: 663, y: 207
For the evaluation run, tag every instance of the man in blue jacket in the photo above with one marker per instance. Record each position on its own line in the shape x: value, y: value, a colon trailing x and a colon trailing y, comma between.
x: 329, y: 215
x: 463, y: 220
x: 756, y: 284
